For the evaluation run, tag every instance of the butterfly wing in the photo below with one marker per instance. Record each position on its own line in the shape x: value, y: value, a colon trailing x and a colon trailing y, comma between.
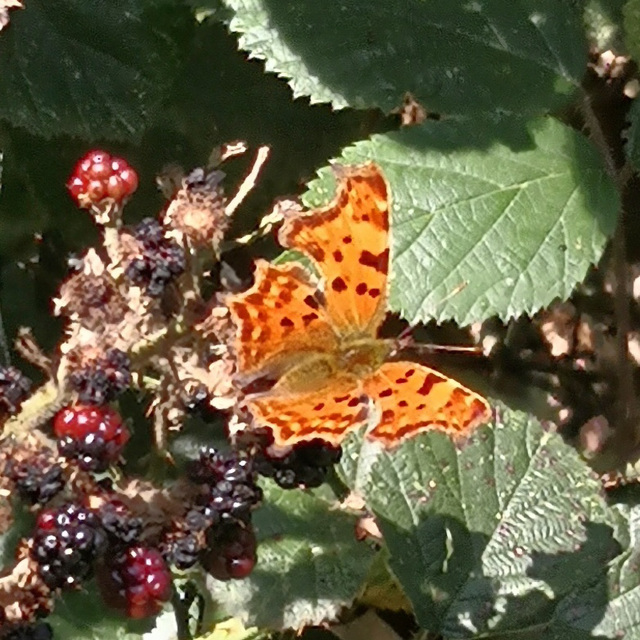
x: 278, y: 320
x: 348, y: 241
x: 329, y: 412
x: 412, y: 398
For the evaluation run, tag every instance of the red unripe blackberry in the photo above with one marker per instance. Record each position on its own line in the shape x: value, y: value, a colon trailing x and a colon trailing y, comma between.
x: 94, y: 436
x: 99, y: 176
x: 232, y: 552
x: 136, y: 582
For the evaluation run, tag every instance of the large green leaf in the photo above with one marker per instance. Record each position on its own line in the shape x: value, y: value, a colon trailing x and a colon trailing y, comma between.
x: 309, y: 564
x: 484, y: 231
x: 454, y: 57
x: 82, y: 615
x: 89, y: 68
x: 507, y: 532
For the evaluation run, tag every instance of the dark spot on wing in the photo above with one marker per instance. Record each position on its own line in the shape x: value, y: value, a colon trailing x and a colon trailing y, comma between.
x: 386, y: 393
x: 374, y: 293
x: 310, y: 301
x: 308, y: 318
x: 347, y: 239
x: 339, y: 285
x: 286, y: 322
x: 361, y: 289
x: 378, y: 262
x: 337, y: 256
x: 429, y: 382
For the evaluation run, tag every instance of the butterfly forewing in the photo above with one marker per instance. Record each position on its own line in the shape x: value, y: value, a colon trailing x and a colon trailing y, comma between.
x: 278, y: 320
x: 348, y: 241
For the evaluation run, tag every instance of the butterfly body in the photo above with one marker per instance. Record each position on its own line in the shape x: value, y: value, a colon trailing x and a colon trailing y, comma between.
x: 319, y: 340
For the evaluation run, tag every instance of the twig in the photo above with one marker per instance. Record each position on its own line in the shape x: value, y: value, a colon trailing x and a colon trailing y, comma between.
x: 627, y: 436
x: 249, y: 182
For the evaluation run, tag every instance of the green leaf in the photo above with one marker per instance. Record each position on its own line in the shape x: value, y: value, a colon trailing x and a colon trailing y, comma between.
x: 498, y: 534
x: 309, y: 564
x: 631, y: 22
x: 454, y: 57
x: 82, y: 615
x: 89, y: 68
x: 478, y: 232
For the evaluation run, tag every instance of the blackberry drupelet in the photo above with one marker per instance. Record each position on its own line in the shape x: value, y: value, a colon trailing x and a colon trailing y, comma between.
x: 119, y: 524
x: 66, y: 543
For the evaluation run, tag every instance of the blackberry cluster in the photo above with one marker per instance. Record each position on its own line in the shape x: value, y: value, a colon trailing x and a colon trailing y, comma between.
x: 14, y: 388
x: 161, y: 259
x: 104, y: 379
x: 93, y: 436
x: 38, y: 631
x: 37, y: 479
x: 306, y: 466
x: 65, y: 545
x: 229, y: 485
x: 135, y: 582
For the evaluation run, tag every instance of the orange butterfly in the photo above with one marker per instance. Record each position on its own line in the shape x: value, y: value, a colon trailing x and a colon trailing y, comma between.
x: 321, y: 342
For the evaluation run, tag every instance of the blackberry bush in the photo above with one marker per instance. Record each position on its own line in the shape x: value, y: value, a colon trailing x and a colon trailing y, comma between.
x: 103, y: 379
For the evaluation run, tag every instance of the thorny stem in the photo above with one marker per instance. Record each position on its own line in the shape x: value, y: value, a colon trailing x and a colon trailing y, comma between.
x: 627, y: 406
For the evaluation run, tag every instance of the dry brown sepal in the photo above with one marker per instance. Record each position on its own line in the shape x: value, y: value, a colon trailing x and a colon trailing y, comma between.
x: 23, y: 593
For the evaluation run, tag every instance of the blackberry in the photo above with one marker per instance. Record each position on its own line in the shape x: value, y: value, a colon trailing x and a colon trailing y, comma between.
x: 231, y: 551
x: 120, y: 526
x: 99, y: 177
x: 14, y: 388
x: 65, y: 545
x: 93, y: 436
x: 229, y: 484
x: 37, y: 479
x: 305, y: 466
x: 161, y: 260
x: 38, y: 631
x: 183, y: 552
x: 136, y: 582
x: 104, y: 379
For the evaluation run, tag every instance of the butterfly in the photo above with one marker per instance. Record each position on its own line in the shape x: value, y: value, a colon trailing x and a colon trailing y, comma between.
x: 318, y: 338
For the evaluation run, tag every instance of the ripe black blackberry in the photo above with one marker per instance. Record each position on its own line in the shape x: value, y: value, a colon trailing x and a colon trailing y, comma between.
x: 161, y: 259
x: 37, y: 631
x: 232, y: 551
x: 182, y: 552
x: 104, y: 379
x: 229, y: 484
x: 66, y: 543
x: 306, y: 466
x: 121, y: 527
x: 37, y: 479
x: 14, y: 388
